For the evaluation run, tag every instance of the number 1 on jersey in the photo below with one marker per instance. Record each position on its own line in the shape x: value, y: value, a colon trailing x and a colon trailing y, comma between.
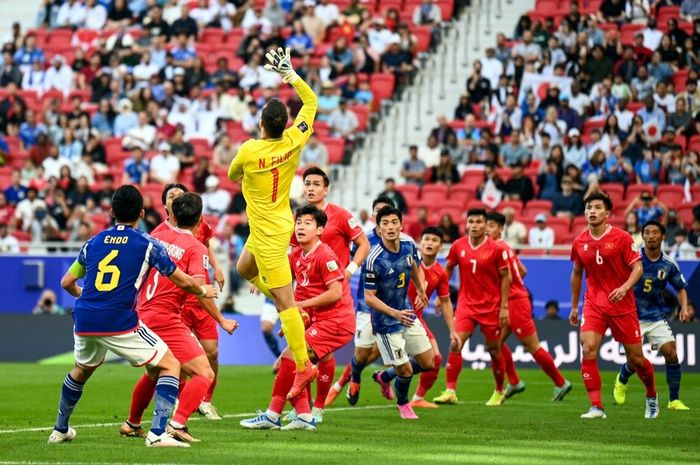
x: 275, y: 183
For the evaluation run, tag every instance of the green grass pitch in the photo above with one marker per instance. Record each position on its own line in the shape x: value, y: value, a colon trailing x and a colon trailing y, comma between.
x: 528, y: 429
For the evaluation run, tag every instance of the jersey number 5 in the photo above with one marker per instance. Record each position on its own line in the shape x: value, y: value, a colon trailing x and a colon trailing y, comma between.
x: 104, y: 268
x: 647, y: 285
x: 275, y: 183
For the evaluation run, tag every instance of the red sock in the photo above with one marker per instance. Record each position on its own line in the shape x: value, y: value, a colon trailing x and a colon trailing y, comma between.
x: 301, y: 404
x: 143, y: 393
x: 183, y: 382
x: 511, y: 372
x: 646, y: 374
x: 326, y: 372
x: 545, y: 361
x: 452, y: 369
x: 428, y: 378
x: 498, y: 367
x: 591, y: 379
x: 345, y: 377
x: 283, y: 383
x: 191, y: 397
x: 212, y: 386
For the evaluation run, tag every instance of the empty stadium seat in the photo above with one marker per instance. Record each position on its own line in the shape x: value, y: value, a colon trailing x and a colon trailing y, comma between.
x: 434, y: 193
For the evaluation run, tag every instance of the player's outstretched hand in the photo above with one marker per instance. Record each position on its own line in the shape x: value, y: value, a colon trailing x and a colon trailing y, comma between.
x: 421, y: 301
x: 253, y: 290
x: 455, y: 341
x: 573, y: 317
x: 503, y: 319
x: 685, y: 316
x: 229, y: 325
x: 617, y: 294
x: 212, y: 292
x: 406, y: 317
x: 280, y: 62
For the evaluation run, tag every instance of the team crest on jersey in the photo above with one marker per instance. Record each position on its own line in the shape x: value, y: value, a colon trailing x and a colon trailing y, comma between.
x: 205, y: 261
x: 462, y: 253
x: 661, y: 274
x: 585, y: 247
x: 409, y: 260
x: 303, y: 127
x: 331, y: 265
x: 352, y: 223
x: 609, y: 245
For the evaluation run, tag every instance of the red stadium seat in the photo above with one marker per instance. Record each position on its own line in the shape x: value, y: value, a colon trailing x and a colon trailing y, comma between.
x: 616, y: 192
x: 336, y: 149
x: 535, y: 207
x: 685, y: 213
x: 446, y: 8
x: 695, y: 193
x: 59, y: 37
x: 382, y: 86
x: 516, y: 205
x: 462, y: 193
x: 670, y: 195
x: 667, y: 12
x: 362, y: 112
x: 423, y: 35
x: 636, y: 189
x: 694, y: 143
x: 410, y: 192
x: 476, y: 204
x: 213, y: 36
x: 437, y: 194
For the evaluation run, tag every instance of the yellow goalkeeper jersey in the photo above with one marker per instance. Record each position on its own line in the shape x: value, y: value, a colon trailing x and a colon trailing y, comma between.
x: 267, y: 167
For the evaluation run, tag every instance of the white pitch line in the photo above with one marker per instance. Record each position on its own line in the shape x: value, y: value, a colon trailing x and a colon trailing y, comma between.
x: 83, y: 463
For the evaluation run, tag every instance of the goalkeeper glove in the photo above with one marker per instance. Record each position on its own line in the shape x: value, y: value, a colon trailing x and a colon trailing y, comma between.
x: 280, y: 62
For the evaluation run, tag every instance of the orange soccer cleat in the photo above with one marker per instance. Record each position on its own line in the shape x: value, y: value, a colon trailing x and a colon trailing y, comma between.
x: 302, y: 379
x: 422, y: 403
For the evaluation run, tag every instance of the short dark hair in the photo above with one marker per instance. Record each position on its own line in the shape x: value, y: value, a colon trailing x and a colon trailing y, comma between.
x: 550, y: 303
x: 432, y: 230
x: 187, y: 209
x: 319, y: 216
x: 383, y: 199
x: 388, y: 211
x: 389, y: 180
x: 658, y: 224
x: 274, y: 118
x: 599, y: 196
x: 127, y: 203
x: 316, y: 171
x: 169, y: 187
x: 497, y: 217
x: 477, y: 212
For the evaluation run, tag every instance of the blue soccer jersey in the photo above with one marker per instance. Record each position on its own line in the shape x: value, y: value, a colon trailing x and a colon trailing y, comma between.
x: 114, y: 264
x: 649, y: 291
x: 389, y: 274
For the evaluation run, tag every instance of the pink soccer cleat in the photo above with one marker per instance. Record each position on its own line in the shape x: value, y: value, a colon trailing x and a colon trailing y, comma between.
x: 406, y: 412
x: 384, y: 387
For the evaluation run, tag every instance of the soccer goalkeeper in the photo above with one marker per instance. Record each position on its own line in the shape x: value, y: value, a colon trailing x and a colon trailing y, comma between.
x: 267, y: 167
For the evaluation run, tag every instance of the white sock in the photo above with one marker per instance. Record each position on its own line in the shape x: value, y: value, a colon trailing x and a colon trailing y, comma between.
x: 205, y: 404
x: 305, y: 416
x: 451, y: 391
x: 176, y: 425
x: 417, y: 397
x: 274, y: 416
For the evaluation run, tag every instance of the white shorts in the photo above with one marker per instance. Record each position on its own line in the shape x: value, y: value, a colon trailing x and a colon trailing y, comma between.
x: 364, y: 336
x: 657, y: 333
x: 140, y: 347
x: 395, y: 348
x: 269, y: 313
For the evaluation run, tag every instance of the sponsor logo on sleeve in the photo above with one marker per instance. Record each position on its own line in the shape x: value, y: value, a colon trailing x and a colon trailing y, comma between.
x: 303, y: 127
x: 205, y: 261
x: 332, y: 265
x: 352, y: 223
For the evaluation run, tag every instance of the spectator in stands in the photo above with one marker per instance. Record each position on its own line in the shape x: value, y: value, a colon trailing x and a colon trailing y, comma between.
x: 313, y: 25
x: 251, y: 120
x: 314, y: 153
x: 651, y: 113
x: 551, y: 310
x: 443, y: 130
x: 81, y: 195
x: 673, y: 225
x: 681, y: 248
x: 341, y: 57
x: 490, y: 191
x: 9, y: 71
x: 47, y: 304
x: 575, y: 152
x: 445, y: 171
x: 328, y: 101
x: 519, y: 186
x: 165, y: 166
x: 458, y: 153
x: 691, y: 168
x: 567, y: 203
x: 215, y: 201
x: 659, y: 70
x: 693, y: 234
x: 136, y: 169
x: 648, y: 169
x: 541, y: 235
x: 343, y: 122
x: 59, y: 76
x: 643, y: 84
x: 514, y: 232
x: 7, y: 211
x: 71, y: 14
x: 182, y: 149
x: 59, y: 209
x: 395, y: 196
x: 617, y: 168
x: 70, y: 149
x: 413, y: 170
x: 450, y: 231
x: 396, y: 61
x: 142, y: 136
x: 95, y: 15
x: 126, y: 120
x: 548, y: 180
x: 527, y: 49
x: 224, y: 152
x: 25, y: 212
x: 691, y: 95
x: 541, y: 142
x: 508, y: 118
x: 514, y: 152
x: 415, y: 228
x: 663, y: 99
x: 299, y: 41
x: 28, y: 54
x: 8, y: 243
x: 478, y: 87
x: 690, y: 9
x: 185, y: 24
x: 647, y: 208
x: 15, y: 192
x: 29, y: 130
x: 552, y: 125
x: 103, y: 119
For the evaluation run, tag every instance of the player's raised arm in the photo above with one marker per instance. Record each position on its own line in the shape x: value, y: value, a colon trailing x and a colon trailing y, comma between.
x: 188, y: 284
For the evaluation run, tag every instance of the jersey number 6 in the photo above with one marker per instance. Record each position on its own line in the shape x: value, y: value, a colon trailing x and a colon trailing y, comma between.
x: 103, y: 268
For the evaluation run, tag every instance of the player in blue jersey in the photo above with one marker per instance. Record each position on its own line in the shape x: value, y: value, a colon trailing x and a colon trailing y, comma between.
x: 659, y: 271
x: 114, y: 265
x: 399, y: 334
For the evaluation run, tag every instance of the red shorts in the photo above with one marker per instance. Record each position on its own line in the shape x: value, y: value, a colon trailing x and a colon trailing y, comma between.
x: 430, y: 334
x: 624, y: 327
x: 181, y: 341
x: 520, y: 317
x: 327, y: 336
x: 466, y: 322
x: 200, y: 322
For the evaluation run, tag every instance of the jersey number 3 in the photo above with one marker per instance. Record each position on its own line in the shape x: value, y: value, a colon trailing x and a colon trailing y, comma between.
x: 402, y: 281
x: 104, y: 268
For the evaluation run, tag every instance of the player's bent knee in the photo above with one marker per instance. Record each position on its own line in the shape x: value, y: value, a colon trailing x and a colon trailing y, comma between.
x: 169, y: 363
x: 404, y: 370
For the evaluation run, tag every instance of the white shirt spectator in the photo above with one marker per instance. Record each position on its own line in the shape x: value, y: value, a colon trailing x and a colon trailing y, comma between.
x: 165, y: 167
x: 250, y: 122
x: 424, y: 14
x: 202, y: 15
x: 379, y: 39
x: 25, y: 211
x: 541, y: 238
x: 52, y: 167
x: 327, y: 12
x: 180, y: 114
x: 624, y: 119
x: 144, y: 71
x: 652, y: 38
x: 142, y: 136
x: 172, y: 12
x: 215, y: 201
x: 9, y: 244
x: 251, y: 19
x: 556, y: 131
x: 515, y: 233
x: 222, y: 11
x: 60, y: 78
x: 666, y: 103
x: 314, y: 153
x: 268, y: 79
x: 71, y: 13
x: 33, y: 79
x: 95, y: 17
x: 579, y: 103
x: 491, y: 69
x: 343, y: 123
x: 682, y: 251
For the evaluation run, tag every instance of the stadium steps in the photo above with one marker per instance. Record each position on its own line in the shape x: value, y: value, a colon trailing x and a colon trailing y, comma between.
x: 23, y: 11
x: 435, y: 91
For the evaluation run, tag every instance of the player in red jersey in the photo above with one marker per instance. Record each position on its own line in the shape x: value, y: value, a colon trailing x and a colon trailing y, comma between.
x: 484, y: 277
x: 324, y: 293
x: 612, y: 267
x: 193, y: 315
x: 160, y: 305
x: 340, y: 231
x: 520, y: 322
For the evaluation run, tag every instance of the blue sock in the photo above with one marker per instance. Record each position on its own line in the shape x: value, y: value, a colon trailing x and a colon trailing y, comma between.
x: 388, y: 375
x: 625, y: 373
x: 416, y: 368
x: 272, y: 343
x: 673, y: 378
x: 356, y: 373
x: 70, y: 395
x: 166, y: 395
x: 401, y: 386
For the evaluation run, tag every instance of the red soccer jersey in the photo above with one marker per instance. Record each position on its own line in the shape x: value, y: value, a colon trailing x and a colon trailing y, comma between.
x: 479, y: 274
x: 313, y: 273
x: 339, y: 232
x: 160, y: 300
x: 607, y: 261
x: 517, y: 286
x: 203, y: 233
x: 436, y: 279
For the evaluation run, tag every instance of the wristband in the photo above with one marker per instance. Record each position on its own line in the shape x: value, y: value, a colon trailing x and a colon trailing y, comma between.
x: 204, y: 291
x: 352, y: 268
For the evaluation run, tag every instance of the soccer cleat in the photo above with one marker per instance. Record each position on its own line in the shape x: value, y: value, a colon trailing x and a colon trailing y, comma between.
x: 497, y: 398
x: 209, y: 411
x: 619, y: 391
x: 561, y: 392
x: 333, y: 393
x: 164, y: 440
x: 299, y: 424
x: 422, y: 403
x: 353, y: 393
x: 291, y: 416
x: 262, y: 421
x: 406, y: 412
x: 447, y: 397
x: 384, y: 388
x: 181, y: 433
x: 511, y: 390
x: 652, y: 408
x: 57, y: 437
x: 317, y: 413
x: 302, y: 379
x: 129, y: 431
x: 593, y: 413
x: 677, y: 405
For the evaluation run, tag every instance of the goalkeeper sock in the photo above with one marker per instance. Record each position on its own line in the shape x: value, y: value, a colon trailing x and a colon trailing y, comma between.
x: 70, y: 395
x: 293, y: 327
x: 260, y: 285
